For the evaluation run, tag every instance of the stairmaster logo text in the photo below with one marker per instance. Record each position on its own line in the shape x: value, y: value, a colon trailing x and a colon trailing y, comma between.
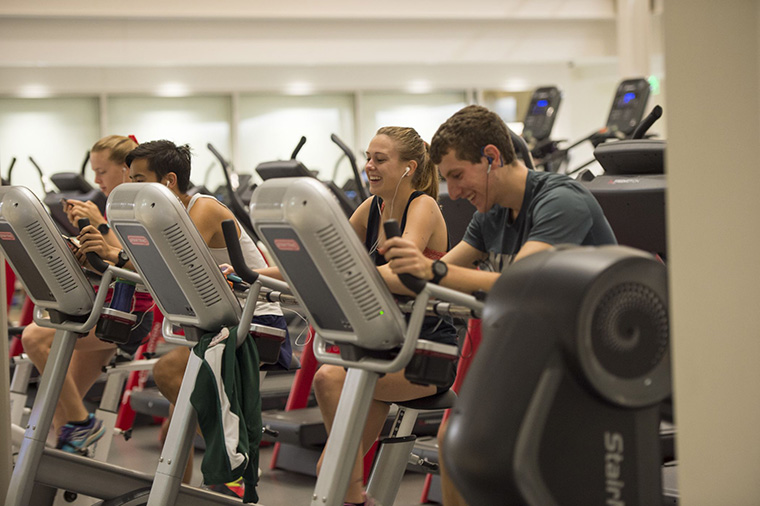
x: 613, y: 465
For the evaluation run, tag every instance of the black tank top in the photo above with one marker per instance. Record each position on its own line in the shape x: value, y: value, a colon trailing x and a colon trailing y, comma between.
x: 434, y: 328
x: 373, y: 226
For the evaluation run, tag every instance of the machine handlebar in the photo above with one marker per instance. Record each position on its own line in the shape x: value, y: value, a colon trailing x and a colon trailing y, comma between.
x: 411, y: 282
x: 96, y: 262
x: 236, y: 253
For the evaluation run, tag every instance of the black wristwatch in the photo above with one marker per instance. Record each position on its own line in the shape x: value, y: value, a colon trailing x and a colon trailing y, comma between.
x: 103, y: 228
x: 440, y: 269
x: 123, y: 259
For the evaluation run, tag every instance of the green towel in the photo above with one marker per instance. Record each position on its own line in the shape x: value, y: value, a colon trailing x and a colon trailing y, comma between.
x: 228, y: 402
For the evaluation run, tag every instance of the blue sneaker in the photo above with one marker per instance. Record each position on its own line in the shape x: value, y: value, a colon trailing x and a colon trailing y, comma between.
x: 77, y: 438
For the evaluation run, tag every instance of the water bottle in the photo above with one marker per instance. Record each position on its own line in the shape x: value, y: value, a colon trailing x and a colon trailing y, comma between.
x: 116, y: 321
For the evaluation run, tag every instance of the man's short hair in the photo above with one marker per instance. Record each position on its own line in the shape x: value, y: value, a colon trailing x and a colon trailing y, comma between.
x: 468, y: 131
x: 164, y: 157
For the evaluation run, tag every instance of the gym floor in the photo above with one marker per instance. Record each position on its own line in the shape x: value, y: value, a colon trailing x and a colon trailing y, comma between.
x: 276, y: 487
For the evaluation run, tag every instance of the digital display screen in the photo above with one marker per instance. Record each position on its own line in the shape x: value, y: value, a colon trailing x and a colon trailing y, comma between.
x: 626, y: 99
x: 540, y: 107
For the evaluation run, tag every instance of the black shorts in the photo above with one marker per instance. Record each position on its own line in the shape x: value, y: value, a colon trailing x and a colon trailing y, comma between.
x: 139, y: 334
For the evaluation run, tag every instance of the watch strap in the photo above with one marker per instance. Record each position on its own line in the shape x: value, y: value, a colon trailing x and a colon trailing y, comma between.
x: 440, y: 269
x: 123, y: 259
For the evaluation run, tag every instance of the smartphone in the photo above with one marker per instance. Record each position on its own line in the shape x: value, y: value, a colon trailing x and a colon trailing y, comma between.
x: 72, y: 243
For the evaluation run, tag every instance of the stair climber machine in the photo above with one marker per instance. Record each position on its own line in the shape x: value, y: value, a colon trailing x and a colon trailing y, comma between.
x: 561, y: 406
x: 350, y: 306
x: 56, y: 282
x: 626, y: 111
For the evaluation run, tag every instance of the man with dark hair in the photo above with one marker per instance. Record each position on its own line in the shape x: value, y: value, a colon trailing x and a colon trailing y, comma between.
x: 519, y: 212
x: 168, y: 164
x: 163, y: 157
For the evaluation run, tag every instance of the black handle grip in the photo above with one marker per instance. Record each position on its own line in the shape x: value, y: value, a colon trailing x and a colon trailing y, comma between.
x: 84, y: 163
x: 96, y: 262
x: 647, y: 122
x: 300, y: 144
x: 10, y: 169
x: 413, y: 283
x: 236, y: 253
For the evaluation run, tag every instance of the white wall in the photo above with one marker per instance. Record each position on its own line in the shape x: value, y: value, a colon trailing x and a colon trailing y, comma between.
x: 713, y: 65
x: 56, y: 132
x: 195, y: 121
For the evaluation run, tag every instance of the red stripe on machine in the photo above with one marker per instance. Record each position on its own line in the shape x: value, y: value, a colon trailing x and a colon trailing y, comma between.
x: 7, y: 236
x: 138, y: 240
x: 287, y: 245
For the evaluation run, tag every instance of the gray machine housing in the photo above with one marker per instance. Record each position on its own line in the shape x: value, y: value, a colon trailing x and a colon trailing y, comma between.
x: 38, y: 254
x: 147, y: 217
x: 290, y: 215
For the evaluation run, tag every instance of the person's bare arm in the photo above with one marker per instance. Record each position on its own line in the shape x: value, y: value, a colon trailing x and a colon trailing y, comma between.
x: 77, y: 209
x: 271, y: 272
x: 207, y: 216
x: 461, y: 276
x: 531, y: 247
x: 91, y: 240
x: 423, y: 220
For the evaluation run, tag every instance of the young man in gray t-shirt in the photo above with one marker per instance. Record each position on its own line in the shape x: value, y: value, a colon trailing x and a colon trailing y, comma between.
x: 519, y: 212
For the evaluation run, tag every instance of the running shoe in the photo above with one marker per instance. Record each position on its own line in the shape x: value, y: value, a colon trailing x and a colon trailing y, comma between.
x: 78, y: 438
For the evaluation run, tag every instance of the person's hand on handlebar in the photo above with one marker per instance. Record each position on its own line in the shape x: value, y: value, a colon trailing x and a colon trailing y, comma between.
x: 404, y: 257
x: 76, y: 209
x: 91, y: 240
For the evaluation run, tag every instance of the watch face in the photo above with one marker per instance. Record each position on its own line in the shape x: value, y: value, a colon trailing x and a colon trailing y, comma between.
x: 440, y: 269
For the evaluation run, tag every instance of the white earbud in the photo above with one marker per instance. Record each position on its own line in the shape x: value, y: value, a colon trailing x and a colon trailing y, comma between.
x: 167, y: 184
x: 406, y: 171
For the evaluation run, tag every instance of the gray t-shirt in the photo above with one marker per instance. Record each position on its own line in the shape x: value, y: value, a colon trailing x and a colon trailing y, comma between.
x: 556, y: 209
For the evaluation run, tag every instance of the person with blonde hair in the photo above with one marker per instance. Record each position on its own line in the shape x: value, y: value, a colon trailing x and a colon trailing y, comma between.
x: 76, y: 427
x: 404, y: 184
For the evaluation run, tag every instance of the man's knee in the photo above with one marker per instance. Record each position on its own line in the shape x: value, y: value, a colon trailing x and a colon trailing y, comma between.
x: 168, y: 371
